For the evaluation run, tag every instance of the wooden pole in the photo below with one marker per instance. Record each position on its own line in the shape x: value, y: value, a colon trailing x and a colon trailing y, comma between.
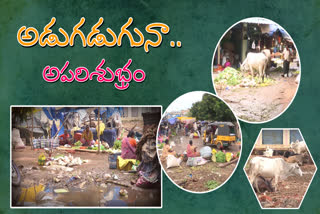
x: 98, y: 130
x: 31, y: 130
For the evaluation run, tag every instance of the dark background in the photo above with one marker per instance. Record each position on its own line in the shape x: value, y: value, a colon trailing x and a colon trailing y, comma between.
x: 170, y: 72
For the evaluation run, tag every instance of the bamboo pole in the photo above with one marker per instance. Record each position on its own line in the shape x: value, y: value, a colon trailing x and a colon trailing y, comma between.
x: 98, y: 130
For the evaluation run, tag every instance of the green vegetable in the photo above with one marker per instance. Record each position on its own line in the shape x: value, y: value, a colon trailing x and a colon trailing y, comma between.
x: 160, y: 146
x: 221, y: 157
x: 229, y: 76
x: 96, y: 148
x: 78, y: 143
x: 212, y: 184
x: 117, y: 144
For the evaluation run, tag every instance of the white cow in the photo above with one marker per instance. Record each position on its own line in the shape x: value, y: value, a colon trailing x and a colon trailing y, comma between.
x: 272, y: 168
x: 255, y: 61
x: 298, y: 147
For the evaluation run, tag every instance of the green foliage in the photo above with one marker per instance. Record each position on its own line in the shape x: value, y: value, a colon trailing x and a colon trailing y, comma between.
x: 212, y: 184
x: 117, y: 144
x: 20, y: 114
x: 211, y: 108
x: 221, y: 157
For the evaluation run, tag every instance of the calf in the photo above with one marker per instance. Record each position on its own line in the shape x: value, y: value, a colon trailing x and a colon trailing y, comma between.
x: 272, y: 168
x: 260, y: 184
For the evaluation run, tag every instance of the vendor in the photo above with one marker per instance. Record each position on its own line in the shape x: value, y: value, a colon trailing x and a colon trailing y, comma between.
x: 227, y: 63
x: 87, y: 137
x: 128, y: 146
x: 167, y: 150
x: 65, y: 138
x: 286, y: 62
x: 192, y: 150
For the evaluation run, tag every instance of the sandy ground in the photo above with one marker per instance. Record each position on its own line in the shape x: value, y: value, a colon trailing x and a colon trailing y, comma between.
x: 89, y: 189
x: 256, y: 104
x: 195, y: 178
x: 290, y: 191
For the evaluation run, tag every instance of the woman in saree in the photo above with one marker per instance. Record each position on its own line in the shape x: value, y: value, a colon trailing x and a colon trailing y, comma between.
x: 167, y: 150
x: 192, y: 150
x: 128, y: 146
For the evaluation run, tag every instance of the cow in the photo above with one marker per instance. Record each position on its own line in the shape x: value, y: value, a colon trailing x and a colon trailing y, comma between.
x: 296, y: 159
x: 298, y: 147
x: 260, y: 184
x: 268, y: 152
x: 267, y: 53
x: 255, y: 61
x: 301, y: 159
x: 276, y: 168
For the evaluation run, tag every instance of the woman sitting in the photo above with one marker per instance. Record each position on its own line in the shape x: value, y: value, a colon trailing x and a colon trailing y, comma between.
x: 192, y: 150
x: 167, y: 150
x: 128, y: 146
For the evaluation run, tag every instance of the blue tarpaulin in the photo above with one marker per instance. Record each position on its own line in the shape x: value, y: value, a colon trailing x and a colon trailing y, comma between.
x: 172, y: 120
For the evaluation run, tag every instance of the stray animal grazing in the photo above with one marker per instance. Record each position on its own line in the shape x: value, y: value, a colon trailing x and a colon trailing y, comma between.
x: 255, y: 61
x: 272, y: 167
x: 260, y: 184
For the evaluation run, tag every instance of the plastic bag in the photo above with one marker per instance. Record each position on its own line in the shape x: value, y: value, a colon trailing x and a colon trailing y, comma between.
x: 205, y: 152
x: 196, y: 161
x: 228, y: 156
x: 172, y: 161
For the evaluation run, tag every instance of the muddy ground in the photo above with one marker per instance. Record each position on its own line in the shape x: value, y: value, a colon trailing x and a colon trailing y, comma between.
x: 256, y: 104
x: 89, y: 188
x: 195, y: 178
x: 290, y: 191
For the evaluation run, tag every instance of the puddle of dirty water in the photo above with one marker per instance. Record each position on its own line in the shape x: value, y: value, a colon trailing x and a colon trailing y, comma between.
x: 94, y: 196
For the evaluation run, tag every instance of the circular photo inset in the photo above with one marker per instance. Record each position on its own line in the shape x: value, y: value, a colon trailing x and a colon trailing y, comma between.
x: 256, y: 69
x: 199, y: 142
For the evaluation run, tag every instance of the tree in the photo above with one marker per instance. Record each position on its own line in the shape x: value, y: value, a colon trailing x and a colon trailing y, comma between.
x: 20, y: 114
x: 212, y: 108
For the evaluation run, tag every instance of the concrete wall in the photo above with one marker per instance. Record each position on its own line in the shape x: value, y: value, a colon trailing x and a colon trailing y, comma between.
x: 285, y: 140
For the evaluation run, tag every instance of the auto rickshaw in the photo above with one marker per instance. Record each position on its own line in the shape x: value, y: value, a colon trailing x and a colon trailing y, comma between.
x: 219, y: 134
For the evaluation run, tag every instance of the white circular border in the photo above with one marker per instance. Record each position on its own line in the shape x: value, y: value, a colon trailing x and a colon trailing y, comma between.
x: 211, y: 71
x: 164, y: 113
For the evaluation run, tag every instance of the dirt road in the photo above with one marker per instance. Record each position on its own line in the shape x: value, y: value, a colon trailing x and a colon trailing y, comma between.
x: 256, y: 104
x: 197, y: 178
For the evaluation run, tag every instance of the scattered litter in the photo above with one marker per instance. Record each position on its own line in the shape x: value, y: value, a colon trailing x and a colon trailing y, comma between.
x: 61, y: 190
x: 103, y: 185
x: 115, y: 177
x: 82, y: 185
x: 29, y: 194
x: 172, y: 161
x: 107, y: 176
x: 123, y: 192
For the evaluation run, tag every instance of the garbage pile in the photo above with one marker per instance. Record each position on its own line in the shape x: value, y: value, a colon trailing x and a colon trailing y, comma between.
x: 231, y: 77
x: 68, y: 161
